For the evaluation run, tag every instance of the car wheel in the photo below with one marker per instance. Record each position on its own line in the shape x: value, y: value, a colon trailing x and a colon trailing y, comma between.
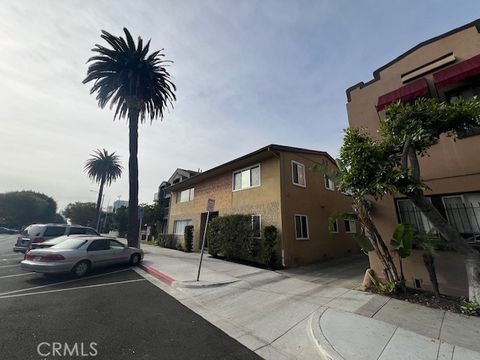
x: 81, y: 269
x: 135, y: 259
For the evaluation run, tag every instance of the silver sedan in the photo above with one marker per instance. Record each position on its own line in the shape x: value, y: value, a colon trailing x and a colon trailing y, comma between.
x: 79, y: 255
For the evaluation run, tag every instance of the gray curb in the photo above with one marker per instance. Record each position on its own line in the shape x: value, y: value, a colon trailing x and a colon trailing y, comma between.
x: 323, y: 346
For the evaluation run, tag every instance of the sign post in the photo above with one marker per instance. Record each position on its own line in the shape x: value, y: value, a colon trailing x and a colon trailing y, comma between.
x: 210, y: 208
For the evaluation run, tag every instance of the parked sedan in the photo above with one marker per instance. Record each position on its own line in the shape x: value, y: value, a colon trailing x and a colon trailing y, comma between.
x: 54, y: 241
x: 79, y: 255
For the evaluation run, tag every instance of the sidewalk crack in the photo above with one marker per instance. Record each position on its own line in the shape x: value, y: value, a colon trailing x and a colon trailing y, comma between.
x: 441, y: 325
x: 388, y: 342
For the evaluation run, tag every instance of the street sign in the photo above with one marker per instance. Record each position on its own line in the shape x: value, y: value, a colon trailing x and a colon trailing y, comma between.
x: 210, y: 205
x: 140, y: 213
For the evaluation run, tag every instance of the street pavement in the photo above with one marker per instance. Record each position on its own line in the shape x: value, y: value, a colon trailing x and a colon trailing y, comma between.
x: 111, y: 314
x: 283, y: 316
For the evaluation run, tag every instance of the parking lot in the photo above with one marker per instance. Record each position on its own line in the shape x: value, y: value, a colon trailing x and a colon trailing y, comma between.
x: 113, y: 313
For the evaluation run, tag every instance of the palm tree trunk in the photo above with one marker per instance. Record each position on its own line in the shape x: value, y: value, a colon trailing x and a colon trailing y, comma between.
x: 99, y: 203
x: 133, y: 223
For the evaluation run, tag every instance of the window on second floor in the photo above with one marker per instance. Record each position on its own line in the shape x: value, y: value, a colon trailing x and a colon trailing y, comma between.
x: 329, y: 184
x: 298, y: 174
x: 334, y: 227
x: 408, y: 213
x: 246, y: 178
x: 466, y: 92
x: 185, y: 195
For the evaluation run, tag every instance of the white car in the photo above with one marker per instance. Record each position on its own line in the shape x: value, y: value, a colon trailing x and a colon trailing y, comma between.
x: 78, y: 255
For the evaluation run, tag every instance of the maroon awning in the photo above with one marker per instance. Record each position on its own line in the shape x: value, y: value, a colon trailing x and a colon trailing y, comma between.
x: 409, y: 92
x: 457, y: 73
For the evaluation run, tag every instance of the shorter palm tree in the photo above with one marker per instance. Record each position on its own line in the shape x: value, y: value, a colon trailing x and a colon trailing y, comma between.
x: 103, y: 168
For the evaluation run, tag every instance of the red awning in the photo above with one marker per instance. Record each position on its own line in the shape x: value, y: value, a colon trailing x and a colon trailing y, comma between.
x: 457, y: 73
x: 409, y: 92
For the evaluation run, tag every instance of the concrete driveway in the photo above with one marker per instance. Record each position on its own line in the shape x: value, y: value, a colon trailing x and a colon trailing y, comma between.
x: 345, y: 272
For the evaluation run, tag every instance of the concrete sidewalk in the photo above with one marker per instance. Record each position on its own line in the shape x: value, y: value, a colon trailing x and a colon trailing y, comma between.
x: 282, y: 316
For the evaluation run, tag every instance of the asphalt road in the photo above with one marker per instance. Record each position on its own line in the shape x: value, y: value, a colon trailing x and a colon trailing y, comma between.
x: 111, y: 314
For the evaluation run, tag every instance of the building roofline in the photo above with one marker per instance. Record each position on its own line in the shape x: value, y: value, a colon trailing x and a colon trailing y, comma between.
x: 206, y: 174
x: 376, y: 73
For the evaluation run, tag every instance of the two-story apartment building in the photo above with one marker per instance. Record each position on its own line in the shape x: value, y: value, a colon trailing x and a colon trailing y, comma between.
x: 276, y: 186
x: 444, y: 67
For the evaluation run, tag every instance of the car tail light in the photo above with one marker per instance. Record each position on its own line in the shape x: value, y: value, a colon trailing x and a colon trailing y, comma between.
x: 29, y: 256
x: 38, y: 240
x: 52, y: 257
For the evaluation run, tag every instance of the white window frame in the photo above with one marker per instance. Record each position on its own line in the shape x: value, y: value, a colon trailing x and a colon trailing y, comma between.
x: 307, y: 229
x: 191, y: 195
x: 260, y: 224
x: 352, y: 224
x: 247, y: 168
x: 330, y: 181
x: 333, y: 231
x: 304, y: 174
x: 180, y: 220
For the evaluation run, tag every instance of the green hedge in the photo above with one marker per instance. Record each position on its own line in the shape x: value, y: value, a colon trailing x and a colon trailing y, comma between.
x: 232, y: 237
x: 167, y: 241
x: 188, y: 236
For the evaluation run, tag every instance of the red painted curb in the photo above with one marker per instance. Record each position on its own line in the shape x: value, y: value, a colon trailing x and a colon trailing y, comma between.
x: 159, y: 275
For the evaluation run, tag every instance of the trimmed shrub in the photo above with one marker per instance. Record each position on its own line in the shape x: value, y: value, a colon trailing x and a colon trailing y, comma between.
x: 167, y: 241
x: 269, y: 255
x: 231, y: 236
x: 188, y: 236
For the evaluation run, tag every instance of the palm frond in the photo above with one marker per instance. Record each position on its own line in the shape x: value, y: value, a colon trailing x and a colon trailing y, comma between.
x: 103, y: 167
x: 127, y: 78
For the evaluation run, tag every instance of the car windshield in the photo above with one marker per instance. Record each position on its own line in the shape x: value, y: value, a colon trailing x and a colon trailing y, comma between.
x: 32, y: 230
x: 72, y: 243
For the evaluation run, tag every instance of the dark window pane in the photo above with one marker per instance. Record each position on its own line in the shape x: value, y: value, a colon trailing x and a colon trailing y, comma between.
x: 295, y: 173
x: 77, y: 230
x: 298, y: 227
x: 304, y: 227
x: 54, y: 231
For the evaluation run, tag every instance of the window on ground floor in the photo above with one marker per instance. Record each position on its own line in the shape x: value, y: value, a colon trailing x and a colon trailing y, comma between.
x: 408, y: 213
x: 179, y: 226
x: 350, y: 226
x: 301, y: 227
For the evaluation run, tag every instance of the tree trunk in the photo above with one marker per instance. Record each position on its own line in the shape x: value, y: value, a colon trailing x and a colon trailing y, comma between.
x: 472, y: 256
x: 429, y: 262
x: 99, y: 203
x: 390, y: 270
x: 133, y: 222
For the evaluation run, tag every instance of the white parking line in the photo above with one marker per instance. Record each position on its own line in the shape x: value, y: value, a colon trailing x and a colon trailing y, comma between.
x: 73, y: 288
x: 4, y: 266
x: 62, y: 282
x: 10, y: 255
x: 22, y: 274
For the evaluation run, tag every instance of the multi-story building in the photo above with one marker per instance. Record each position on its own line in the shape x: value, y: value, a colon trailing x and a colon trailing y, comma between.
x: 117, y: 204
x: 444, y: 67
x: 163, y: 194
x: 276, y: 186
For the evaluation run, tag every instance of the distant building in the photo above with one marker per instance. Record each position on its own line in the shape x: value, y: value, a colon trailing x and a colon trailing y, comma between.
x: 163, y: 194
x: 109, y: 209
x: 117, y: 204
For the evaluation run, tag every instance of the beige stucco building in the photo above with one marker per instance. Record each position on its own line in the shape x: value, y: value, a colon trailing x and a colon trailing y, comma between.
x: 444, y: 67
x: 276, y: 186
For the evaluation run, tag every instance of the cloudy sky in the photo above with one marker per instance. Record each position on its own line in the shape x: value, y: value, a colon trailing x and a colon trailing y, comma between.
x: 249, y: 73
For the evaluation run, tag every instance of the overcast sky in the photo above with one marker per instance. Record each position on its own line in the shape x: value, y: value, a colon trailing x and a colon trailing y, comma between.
x: 248, y: 74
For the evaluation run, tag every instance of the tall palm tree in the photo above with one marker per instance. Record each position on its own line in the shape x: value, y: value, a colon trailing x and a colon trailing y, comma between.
x: 103, y: 168
x: 139, y: 87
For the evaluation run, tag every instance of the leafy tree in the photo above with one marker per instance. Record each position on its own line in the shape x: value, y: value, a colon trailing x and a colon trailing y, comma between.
x: 369, y: 239
x: 22, y: 208
x: 81, y: 213
x: 139, y: 87
x: 388, y: 164
x: 103, y: 168
x: 120, y: 220
x: 152, y: 215
x: 402, y: 244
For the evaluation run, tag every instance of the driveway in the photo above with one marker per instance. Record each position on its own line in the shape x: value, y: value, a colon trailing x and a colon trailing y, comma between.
x: 347, y: 272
